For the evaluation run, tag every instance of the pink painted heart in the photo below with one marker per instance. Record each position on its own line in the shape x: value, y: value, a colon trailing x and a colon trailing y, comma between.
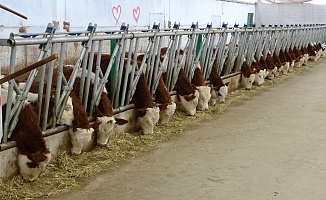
x: 116, y: 12
x: 136, y: 13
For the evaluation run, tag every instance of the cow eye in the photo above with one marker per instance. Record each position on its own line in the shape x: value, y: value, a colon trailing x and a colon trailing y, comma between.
x: 219, y: 94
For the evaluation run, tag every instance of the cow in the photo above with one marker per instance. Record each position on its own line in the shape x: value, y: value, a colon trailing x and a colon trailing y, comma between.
x: 248, y: 75
x: 103, y: 112
x: 259, y: 72
x: 187, y: 93
x: 299, y: 57
x: 219, y: 89
x: 203, y: 90
x: 33, y: 154
x: 74, y: 116
x: 272, y: 68
x: 313, y: 52
x: 283, y: 59
x: 164, y: 101
x: 148, y: 114
x: 146, y: 111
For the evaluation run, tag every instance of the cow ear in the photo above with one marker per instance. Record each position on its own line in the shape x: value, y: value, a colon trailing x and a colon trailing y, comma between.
x: 95, y: 125
x: 141, y: 112
x: 189, y: 97
x: 120, y: 121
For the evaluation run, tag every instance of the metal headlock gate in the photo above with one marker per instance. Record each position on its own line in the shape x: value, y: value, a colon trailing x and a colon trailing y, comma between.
x: 228, y: 46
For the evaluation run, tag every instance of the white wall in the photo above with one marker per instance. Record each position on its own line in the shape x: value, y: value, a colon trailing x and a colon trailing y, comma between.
x: 290, y: 14
x: 111, y: 13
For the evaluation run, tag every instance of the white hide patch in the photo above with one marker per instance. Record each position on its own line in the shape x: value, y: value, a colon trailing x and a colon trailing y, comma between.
x: 286, y: 68
x: 223, y: 91
x: 31, y: 174
x: 270, y: 75
x: 79, y: 138
x: 68, y: 113
x: 190, y: 106
x: 204, y: 97
x: 259, y: 77
x: 248, y: 81
x: 149, y: 120
x: 166, y: 114
x: 105, y: 129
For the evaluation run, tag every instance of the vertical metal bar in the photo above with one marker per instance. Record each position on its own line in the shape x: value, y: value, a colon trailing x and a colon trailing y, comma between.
x: 48, y: 90
x: 55, y: 117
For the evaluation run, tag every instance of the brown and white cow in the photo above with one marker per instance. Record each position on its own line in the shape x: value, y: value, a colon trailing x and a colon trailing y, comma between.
x: 147, y: 112
x: 74, y: 116
x: 33, y: 154
x: 219, y: 89
x: 203, y: 89
x: 164, y: 101
x: 187, y: 93
x: 283, y: 59
x: 259, y: 72
x: 103, y: 112
x: 248, y: 75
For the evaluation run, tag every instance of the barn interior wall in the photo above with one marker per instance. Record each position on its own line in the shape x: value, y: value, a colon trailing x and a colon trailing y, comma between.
x: 290, y: 14
x: 73, y: 15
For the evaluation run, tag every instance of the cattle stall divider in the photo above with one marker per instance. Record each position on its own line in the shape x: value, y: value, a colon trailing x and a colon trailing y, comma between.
x: 229, y: 47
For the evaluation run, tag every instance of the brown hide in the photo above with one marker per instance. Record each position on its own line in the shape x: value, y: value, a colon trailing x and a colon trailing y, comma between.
x: 28, y: 136
x: 246, y: 70
x: 162, y: 95
x: 183, y: 85
x: 263, y: 63
x: 80, y: 120
x: 142, y: 97
x: 198, y: 79
x: 215, y: 79
x: 270, y: 62
x: 311, y: 50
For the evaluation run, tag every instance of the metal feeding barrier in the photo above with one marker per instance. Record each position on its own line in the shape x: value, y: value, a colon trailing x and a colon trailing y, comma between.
x: 228, y: 47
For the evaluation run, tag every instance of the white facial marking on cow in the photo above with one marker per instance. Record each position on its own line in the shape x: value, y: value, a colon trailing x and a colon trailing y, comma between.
x: 166, y: 114
x: 190, y: 106
x: 149, y: 120
x: 223, y: 91
x: 259, y: 77
x: 286, y: 68
x: 31, y: 174
x: 68, y: 113
x: 248, y: 81
x: 105, y: 129
x: 79, y: 138
x: 204, y: 97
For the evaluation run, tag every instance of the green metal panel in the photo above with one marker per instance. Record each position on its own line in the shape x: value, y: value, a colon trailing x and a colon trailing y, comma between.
x: 250, y: 19
x: 199, y: 43
x: 113, y: 43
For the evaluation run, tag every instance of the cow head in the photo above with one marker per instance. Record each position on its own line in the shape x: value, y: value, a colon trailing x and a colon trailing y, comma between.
x: 79, y: 138
x: 259, y: 77
x: 204, y: 97
x: 105, y: 129
x: 286, y: 68
x: 148, y: 120
x: 190, y: 102
x: 30, y: 169
x: 222, y: 92
x: 68, y: 113
x: 248, y: 81
x: 166, y: 114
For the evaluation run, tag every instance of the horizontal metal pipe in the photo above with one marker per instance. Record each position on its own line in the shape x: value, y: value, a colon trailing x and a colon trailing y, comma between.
x: 131, y: 35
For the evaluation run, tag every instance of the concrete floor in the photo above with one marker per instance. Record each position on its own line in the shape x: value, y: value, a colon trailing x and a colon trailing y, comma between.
x: 271, y: 146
